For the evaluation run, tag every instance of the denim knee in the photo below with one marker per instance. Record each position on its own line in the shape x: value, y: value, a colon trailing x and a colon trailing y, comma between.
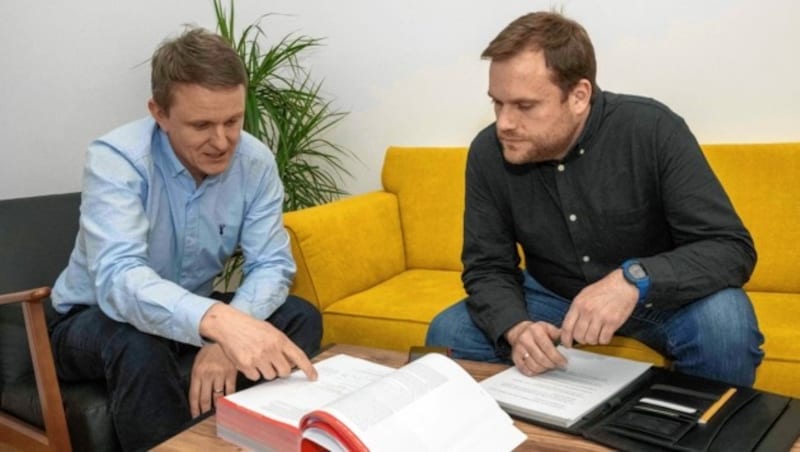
x: 440, y: 329
x: 454, y: 328
x: 718, y: 337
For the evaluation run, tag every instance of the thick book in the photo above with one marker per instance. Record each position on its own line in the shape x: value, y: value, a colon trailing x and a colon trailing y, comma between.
x: 633, y: 406
x: 562, y: 397
x: 430, y: 404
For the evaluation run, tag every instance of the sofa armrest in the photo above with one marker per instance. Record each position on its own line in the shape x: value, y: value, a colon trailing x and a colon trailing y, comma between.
x: 19, y: 433
x: 345, y: 246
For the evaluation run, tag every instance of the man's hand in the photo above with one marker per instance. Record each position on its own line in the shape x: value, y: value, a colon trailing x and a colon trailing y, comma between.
x: 254, y: 346
x: 599, y: 310
x: 213, y: 376
x: 533, y: 348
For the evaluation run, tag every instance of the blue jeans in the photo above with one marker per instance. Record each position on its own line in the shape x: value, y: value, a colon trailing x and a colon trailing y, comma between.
x: 715, y: 337
x: 148, y: 392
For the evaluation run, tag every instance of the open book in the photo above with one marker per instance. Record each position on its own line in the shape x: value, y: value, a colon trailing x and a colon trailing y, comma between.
x: 430, y: 404
x: 561, y: 397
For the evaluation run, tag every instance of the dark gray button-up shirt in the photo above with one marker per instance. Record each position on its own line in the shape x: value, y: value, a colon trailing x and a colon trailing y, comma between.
x: 636, y: 185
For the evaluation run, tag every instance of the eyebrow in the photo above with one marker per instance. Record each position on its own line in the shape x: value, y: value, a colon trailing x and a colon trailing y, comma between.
x: 519, y: 100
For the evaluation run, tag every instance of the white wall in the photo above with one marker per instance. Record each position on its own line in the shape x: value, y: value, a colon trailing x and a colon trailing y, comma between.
x: 409, y: 72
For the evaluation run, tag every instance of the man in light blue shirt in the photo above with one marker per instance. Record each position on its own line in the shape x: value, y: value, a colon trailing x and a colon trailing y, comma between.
x: 165, y: 202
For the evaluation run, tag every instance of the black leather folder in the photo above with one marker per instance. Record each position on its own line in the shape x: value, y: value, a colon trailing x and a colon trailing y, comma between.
x: 751, y: 420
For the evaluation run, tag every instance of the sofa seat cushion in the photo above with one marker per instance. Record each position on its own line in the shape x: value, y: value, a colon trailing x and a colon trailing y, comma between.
x: 394, y: 314
x: 777, y: 315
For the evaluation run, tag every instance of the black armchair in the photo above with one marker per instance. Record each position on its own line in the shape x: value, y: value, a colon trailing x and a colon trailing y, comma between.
x: 36, y: 413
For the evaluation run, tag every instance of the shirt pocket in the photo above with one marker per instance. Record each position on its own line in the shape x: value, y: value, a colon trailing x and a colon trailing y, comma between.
x: 228, y: 239
x: 637, y: 231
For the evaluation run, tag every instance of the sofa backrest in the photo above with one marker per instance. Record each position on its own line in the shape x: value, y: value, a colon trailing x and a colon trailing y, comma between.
x: 36, y: 237
x: 345, y: 247
x: 763, y: 182
x: 429, y: 185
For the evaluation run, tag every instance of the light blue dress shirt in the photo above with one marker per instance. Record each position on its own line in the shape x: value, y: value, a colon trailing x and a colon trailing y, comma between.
x: 151, y: 241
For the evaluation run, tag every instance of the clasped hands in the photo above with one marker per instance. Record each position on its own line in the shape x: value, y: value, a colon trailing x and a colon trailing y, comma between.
x: 595, y: 314
x: 241, y: 344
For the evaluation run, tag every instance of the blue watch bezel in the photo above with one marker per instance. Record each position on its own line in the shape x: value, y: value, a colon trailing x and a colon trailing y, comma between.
x: 643, y: 284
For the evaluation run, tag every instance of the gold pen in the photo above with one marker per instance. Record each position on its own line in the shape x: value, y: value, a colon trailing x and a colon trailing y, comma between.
x: 712, y: 410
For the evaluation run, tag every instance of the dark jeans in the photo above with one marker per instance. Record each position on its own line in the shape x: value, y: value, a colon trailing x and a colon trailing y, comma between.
x: 715, y: 337
x: 147, y: 391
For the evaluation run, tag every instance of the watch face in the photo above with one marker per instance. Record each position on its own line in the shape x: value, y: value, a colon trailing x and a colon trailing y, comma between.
x: 637, y: 271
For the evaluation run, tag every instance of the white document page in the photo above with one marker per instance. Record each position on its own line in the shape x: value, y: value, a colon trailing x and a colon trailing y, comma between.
x: 563, y: 396
x: 288, y: 399
x: 431, y: 404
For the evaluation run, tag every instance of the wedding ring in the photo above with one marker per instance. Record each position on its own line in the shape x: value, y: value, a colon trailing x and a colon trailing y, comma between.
x: 219, y: 392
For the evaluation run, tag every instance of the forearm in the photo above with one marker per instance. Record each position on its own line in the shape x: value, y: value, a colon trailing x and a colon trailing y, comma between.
x: 712, y: 248
x: 491, y: 276
x: 495, y: 306
x: 699, y: 269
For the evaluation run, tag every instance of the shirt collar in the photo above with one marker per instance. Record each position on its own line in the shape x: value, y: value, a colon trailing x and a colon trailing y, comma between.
x: 176, y: 168
x: 590, y: 128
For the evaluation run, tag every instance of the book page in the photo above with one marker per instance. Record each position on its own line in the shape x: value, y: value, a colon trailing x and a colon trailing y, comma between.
x: 562, y: 396
x: 431, y: 404
x: 288, y: 399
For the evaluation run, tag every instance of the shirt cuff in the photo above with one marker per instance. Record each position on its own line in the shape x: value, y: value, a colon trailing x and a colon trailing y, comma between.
x: 260, y: 307
x: 188, y: 314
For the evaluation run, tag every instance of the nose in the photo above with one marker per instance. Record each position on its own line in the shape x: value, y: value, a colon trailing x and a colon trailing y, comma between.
x: 506, y: 120
x: 218, y: 138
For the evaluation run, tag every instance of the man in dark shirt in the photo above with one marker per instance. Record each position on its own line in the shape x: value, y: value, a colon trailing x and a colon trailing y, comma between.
x: 623, y: 225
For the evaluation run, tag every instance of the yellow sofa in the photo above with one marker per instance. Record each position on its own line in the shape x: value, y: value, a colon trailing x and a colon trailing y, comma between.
x: 380, y: 265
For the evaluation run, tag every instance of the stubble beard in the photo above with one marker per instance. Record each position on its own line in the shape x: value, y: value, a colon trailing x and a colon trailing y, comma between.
x: 537, y: 150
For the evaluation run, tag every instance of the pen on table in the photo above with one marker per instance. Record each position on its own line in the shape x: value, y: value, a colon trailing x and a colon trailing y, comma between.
x: 712, y: 410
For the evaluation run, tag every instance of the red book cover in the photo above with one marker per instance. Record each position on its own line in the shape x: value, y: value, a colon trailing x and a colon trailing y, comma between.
x: 332, y: 427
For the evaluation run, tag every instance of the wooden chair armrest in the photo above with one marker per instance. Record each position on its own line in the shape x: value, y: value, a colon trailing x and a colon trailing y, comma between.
x: 55, y: 435
x: 31, y: 295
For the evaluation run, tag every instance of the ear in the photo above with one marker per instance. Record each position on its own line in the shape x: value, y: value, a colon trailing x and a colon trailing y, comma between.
x: 158, y: 113
x: 581, y: 96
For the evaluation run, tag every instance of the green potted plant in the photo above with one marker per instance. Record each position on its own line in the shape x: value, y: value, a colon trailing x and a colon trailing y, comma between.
x: 285, y: 110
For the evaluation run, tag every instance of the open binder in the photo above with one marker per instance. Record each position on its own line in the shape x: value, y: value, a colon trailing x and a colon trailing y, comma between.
x: 750, y: 420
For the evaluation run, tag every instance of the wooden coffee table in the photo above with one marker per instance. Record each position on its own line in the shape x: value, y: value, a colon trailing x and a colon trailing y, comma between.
x: 203, y: 435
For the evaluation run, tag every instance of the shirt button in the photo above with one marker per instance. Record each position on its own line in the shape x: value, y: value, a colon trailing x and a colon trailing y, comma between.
x: 561, y: 167
x: 586, y: 258
x: 581, y: 152
x: 573, y: 217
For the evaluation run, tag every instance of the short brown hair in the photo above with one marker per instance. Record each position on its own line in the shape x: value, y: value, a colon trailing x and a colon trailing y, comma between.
x: 198, y: 57
x: 568, y: 51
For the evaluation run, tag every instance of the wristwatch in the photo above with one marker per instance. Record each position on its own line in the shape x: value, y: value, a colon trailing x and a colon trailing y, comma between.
x: 635, y: 274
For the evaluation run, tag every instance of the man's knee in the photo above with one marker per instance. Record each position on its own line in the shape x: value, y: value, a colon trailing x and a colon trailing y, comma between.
x: 132, y: 354
x: 727, y: 344
x: 442, y: 327
x: 728, y: 316
x: 301, y: 322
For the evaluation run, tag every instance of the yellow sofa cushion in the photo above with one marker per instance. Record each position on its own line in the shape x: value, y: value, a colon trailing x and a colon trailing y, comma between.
x: 763, y: 182
x: 394, y: 314
x: 345, y: 247
x: 430, y: 192
x: 778, y: 317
